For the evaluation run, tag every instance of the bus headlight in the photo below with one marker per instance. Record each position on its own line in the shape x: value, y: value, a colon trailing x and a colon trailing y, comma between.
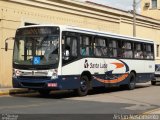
x: 16, y: 73
x: 54, y: 74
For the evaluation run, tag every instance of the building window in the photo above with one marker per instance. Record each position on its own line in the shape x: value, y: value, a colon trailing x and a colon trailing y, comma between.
x: 157, y: 51
x: 154, y: 3
x: 27, y: 24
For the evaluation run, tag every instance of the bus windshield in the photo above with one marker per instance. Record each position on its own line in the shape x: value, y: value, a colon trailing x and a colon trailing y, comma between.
x: 36, y: 46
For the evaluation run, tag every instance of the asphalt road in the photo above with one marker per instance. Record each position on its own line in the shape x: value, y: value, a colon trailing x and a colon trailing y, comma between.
x: 100, y: 101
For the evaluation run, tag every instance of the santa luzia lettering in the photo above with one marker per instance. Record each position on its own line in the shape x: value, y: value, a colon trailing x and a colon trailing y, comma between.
x: 98, y: 65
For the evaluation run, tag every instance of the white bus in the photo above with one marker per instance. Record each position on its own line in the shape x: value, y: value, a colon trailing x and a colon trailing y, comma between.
x: 49, y: 57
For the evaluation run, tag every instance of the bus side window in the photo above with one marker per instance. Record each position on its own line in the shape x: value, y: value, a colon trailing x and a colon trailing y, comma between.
x: 127, y: 50
x: 70, y: 48
x: 119, y: 49
x: 82, y: 47
x: 66, y: 48
x: 152, y: 51
x: 148, y: 51
x: 74, y: 47
x: 112, y: 48
x: 138, y: 52
x: 100, y: 48
x: 85, y: 46
x: 104, y: 47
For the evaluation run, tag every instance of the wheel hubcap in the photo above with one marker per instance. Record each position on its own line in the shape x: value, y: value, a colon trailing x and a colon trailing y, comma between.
x: 83, y: 85
x: 132, y: 83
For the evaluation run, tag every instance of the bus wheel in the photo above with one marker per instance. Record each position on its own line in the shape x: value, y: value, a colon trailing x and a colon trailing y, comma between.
x: 132, y: 81
x: 44, y: 92
x: 84, y: 86
x: 153, y: 82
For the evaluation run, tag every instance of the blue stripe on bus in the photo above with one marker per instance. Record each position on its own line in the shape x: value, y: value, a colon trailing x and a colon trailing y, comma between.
x: 72, y: 82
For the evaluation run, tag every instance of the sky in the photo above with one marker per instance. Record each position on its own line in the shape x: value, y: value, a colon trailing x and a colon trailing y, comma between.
x: 121, y: 4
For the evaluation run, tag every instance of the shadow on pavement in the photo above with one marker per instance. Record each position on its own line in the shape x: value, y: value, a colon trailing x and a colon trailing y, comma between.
x: 70, y: 93
x: 157, y: 84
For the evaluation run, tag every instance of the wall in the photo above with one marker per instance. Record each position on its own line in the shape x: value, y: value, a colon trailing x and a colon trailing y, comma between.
x: 153, y: 32
x: 149, y: 11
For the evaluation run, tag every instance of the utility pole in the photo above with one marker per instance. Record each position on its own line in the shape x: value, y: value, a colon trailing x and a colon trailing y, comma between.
x: 134, y: 18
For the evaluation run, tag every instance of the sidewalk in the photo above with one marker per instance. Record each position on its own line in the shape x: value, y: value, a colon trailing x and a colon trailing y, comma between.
x: 10, y: 91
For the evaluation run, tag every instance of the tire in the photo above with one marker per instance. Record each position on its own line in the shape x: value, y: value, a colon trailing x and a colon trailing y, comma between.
x: 132, y: 81
x: 84, y: 86
x: 153, y: 82
x: 44, y: 93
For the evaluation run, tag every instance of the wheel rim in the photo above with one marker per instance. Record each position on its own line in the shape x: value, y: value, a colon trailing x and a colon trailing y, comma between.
x: 83, y: 85
x: 132, y: 82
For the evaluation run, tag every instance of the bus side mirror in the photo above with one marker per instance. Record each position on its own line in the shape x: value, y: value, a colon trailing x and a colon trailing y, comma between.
x: 6, y: 46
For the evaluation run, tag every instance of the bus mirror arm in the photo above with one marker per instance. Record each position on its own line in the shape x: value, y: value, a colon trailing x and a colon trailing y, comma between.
x: 6, y: 43
x: 6, y: 46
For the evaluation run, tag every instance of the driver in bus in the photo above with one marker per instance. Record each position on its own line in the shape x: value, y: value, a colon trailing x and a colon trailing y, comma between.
x: 66, y: 53
x: 51, y: 51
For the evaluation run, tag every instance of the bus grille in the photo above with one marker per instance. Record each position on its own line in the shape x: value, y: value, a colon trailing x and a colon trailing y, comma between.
x: 34, y: 85
x: 35, y: 77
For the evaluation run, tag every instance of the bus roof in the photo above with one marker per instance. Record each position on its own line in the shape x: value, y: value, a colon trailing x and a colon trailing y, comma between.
x: 93, y: 32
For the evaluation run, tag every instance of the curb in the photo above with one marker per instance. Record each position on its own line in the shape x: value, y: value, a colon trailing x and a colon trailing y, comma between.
x: 12, y: 91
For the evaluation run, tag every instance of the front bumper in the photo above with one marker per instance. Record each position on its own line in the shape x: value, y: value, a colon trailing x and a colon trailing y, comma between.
x: 33, y: 83
x: 61, y: 83
x: 156, y: 77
